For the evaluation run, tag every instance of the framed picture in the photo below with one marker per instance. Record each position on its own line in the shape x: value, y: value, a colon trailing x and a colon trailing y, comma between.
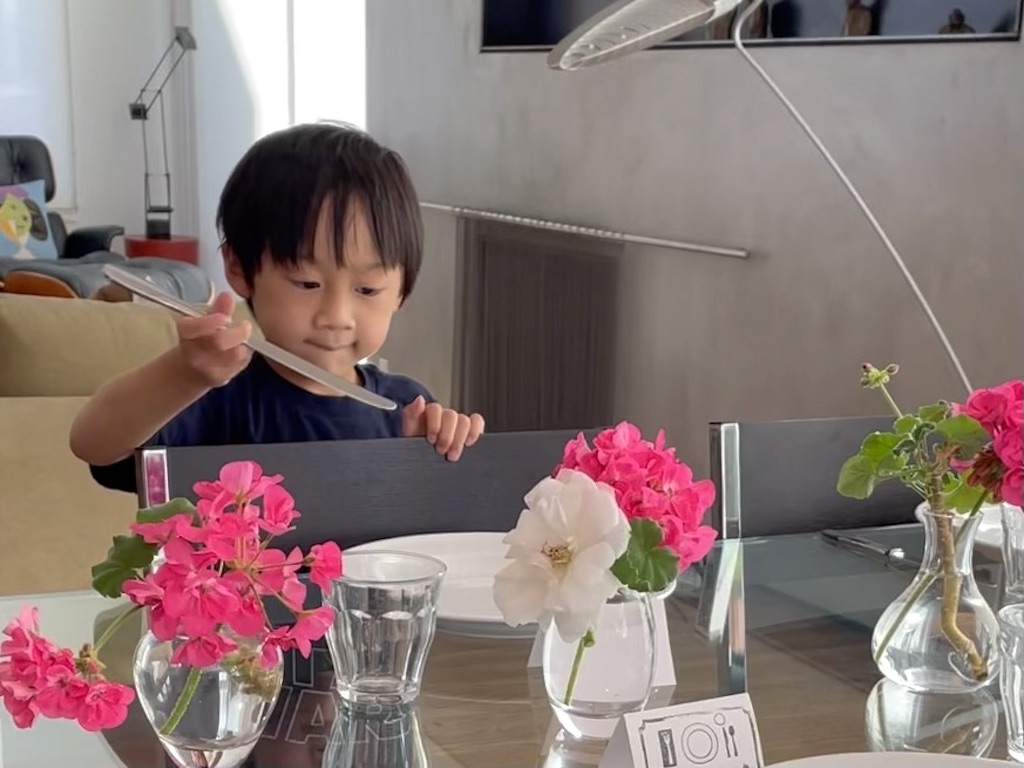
x: 538, y: 25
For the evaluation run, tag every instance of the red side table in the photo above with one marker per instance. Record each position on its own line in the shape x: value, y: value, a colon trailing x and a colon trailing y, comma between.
x: 176, y: 247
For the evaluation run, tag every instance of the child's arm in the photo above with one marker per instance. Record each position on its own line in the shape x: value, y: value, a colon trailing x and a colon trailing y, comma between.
x: 131, y: 408
x: 128, y: 410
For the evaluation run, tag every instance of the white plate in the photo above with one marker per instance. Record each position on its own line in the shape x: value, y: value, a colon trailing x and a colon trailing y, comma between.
x: 990, y: 529
x: 466, y: 605
x: 892, y: 760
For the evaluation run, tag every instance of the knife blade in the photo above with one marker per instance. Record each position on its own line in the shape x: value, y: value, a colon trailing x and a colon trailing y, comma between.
x: 893, y: 556
x: 147, y: 290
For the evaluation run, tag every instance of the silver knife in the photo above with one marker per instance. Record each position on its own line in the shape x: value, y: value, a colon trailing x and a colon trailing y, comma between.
x: 895, y: 556
x: 273, y: 352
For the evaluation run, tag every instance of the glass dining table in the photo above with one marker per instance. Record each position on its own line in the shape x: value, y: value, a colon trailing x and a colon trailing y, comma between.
x: 787, y: 619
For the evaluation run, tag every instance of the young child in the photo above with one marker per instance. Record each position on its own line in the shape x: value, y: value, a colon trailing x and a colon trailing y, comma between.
x: 322, y: 236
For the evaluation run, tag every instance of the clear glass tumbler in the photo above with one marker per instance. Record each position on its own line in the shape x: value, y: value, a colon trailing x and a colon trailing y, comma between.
x: 1013, y: 554
x: 1011, y: 638
x: 386, y: 611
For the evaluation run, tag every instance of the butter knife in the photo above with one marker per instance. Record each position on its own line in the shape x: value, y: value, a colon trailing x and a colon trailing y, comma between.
x: 894, y: 556
x: 147, y: 290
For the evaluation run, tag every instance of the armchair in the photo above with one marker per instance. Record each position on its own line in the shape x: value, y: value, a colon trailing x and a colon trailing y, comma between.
x: 25, y: 158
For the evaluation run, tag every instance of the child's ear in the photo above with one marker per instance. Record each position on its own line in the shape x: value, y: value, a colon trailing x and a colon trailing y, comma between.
x: 235, y: 275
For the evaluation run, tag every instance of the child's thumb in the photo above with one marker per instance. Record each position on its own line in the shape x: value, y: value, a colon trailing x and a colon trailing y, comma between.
x: 413, y: 423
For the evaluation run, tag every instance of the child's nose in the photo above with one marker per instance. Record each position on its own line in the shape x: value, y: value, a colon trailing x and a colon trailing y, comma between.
x: 336, y: 312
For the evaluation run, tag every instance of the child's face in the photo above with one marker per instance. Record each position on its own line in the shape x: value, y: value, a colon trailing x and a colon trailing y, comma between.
x: 329, y: 315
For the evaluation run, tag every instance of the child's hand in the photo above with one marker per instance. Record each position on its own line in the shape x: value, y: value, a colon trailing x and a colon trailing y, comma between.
x: 447, y: 430
x: 210, y: 349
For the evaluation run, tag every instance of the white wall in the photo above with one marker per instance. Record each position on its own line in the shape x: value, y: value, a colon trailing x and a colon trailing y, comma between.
x: 114, y: 45
x: 244, y: 80
x: 251, y: 78
x: 241, y: 93
x: 690, y: 145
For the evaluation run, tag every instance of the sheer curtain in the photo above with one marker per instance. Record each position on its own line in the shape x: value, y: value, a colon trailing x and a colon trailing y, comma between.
x: 35, y: 83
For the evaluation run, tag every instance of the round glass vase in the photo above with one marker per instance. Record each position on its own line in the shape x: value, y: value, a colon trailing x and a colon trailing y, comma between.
x: 940, y: 635
x: 590, y: 686
x: 211, y: 715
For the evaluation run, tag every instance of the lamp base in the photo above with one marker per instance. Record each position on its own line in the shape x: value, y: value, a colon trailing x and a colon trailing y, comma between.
x: 158, y: 230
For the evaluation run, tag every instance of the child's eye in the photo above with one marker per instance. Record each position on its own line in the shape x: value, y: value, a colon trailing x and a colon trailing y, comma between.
x: 306, y: 285
x: 366, y: 291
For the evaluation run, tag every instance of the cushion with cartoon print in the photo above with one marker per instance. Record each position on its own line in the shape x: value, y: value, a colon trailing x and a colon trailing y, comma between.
x: 24, y: 230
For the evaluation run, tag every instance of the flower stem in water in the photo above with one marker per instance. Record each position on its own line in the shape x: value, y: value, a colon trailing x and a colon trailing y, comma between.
x: 191, y: 684
x: 926, y: 582
x: 584, y: 642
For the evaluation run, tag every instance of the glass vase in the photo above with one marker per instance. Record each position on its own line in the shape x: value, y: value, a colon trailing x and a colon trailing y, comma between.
x: 940, y: 635
x: 210, y: 716
x: 590, y: 688
x: 1013, y: 554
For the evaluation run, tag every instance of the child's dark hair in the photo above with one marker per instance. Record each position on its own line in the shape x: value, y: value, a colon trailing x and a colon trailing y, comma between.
x: 272, y: 199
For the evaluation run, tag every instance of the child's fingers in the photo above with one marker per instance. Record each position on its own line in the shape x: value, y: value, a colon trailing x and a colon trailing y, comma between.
x: 230, y: 338
x: 433, y: 415
x: 412, y: 418
x: 224, y: 304
x: 195, y: 327
x: 446, y: 432
x: 476, y: 428
x: 463, y: 426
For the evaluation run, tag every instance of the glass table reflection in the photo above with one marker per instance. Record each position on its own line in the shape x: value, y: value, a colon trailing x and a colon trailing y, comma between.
x: 788, y: 619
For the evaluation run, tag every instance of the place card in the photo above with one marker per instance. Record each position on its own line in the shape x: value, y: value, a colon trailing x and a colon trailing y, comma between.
x: 664, y: 666
x: 716, y: 733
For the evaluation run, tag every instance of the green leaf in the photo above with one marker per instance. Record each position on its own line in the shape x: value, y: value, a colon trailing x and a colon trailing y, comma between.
x: 646, y: 566
x: 858, y: 478
x: 933, y: 413
x: 959, y: 496
x: 905, y: 424
x: 165, y: 511
x: 904, y: 445
x: 879, y: 446
x: 964, y: 432
x: 921, y: 430
x: 124, y: 560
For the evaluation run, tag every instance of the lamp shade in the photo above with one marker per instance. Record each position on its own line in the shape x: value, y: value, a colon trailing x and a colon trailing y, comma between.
x: 631, y: 25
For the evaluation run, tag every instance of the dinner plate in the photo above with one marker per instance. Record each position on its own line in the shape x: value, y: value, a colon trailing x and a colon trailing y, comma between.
x: 466, y: 605
x: 892, y: 760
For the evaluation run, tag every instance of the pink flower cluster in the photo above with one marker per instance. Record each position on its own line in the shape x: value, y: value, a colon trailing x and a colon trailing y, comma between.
x: 1000, y: 466
x: 649, y: 481
x: 218, y: 568
x: 39, y: 678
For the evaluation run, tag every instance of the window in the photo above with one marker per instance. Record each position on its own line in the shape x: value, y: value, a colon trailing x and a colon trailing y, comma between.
x: 35, y: 83
x: 328, y: 61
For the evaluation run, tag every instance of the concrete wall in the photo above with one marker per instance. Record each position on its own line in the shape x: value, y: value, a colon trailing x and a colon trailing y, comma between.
x: 691, y: 145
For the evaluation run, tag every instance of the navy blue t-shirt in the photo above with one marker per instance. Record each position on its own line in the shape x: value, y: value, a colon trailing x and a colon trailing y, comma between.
x: 260, y: 406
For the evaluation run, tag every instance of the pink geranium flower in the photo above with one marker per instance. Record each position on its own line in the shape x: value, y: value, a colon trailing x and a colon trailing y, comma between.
x: 39, y: 678
x: 311, y: 626
x: 324, y: 564
x: 240, y: 483
x: 997, y: 467
x: 649, y: 481
x: 203, y: 651
x: 278, y: 511
x: 206, y: 595
x: 105, y: 706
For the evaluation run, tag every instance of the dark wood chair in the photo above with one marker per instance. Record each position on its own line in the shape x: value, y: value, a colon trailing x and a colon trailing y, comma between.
x: 778, y: 477
x: 356, y: 491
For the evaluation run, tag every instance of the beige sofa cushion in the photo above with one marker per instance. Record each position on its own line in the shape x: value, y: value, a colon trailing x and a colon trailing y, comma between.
x: 58, y: 347
x: 56, y: 521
